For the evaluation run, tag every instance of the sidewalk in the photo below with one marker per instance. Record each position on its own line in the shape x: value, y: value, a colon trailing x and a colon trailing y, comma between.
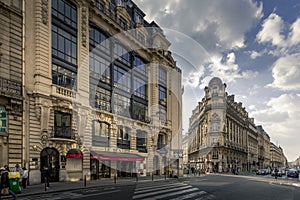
x: 271, y: 180
x: 68, y: 186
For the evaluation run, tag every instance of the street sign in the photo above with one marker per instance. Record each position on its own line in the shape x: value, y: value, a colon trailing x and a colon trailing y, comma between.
x: 163, y: 151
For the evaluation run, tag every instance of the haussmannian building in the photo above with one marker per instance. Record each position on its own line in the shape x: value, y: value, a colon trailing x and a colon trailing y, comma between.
x: 11, y: 83
x: 252, y: 146
x: 102, y: 92
x: 277, y: 156
x: 263, y: 148
x: 218, y: 131
x: 222, y: 138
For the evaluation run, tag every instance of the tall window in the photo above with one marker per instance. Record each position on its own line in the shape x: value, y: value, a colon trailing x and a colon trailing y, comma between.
x: 122, y: 54
x: 63, y: 125
x: 139, y: 111
x: 100, y: 98
x: 122, y: 105
x: 123, y: 138
x: 140, y: 87
x: 64, y: 43
x: 101, y: 133
x: 99, y: 40
x: 122, y: 78
x: 141, y: 141
x: 3, y: 120
x: 99, y: 68
x: 215, y: 155
x: 161, y: 140
x: 139, y: 65
x: 162, y: 75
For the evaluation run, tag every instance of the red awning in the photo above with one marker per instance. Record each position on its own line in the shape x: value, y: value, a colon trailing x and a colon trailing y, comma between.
x: 115, y: 156
x: 74, y: 153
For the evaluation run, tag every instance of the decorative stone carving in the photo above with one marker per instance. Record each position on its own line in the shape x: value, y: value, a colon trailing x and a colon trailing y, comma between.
x: 45, y: 11
x: 84, y: 26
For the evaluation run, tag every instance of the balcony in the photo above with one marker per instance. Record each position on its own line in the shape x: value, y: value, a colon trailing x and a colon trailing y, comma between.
x: 10, y: 88
x: 123, y: 144
x: 63, y: 92
x: 63, y: 134
x: 142, y: 148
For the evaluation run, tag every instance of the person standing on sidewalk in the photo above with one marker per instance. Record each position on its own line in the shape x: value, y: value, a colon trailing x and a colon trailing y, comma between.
x: 24, y: 177
x: 4, y: 183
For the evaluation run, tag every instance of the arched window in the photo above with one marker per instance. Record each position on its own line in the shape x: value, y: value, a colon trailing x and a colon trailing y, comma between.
x: 3, y: 120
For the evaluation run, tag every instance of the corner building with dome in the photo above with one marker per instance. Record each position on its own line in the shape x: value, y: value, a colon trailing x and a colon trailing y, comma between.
x: 220, y: 139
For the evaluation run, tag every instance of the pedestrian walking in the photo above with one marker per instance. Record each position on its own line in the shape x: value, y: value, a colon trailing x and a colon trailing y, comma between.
x: 4, y: 183
x: 20, y: 170
x: 24, y: 177
x: 276, y: 173
x: 46, y: 174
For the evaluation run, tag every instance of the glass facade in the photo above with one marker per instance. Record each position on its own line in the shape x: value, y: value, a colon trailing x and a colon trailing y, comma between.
x: 64, y: 44
x: 118, y: 77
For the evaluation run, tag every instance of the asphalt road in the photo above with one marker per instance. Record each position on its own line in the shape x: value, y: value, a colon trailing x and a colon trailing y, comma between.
x: 207, y: 187
x: 245, y: 188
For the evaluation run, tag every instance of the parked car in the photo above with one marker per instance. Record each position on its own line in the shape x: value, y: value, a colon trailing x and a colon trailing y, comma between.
x: 282, y: 171
x: 278, y: 173
x: 293, y: 173
x: 261, y: 172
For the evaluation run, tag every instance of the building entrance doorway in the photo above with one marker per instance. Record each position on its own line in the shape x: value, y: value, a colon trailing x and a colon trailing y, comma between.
x: 50, y: 160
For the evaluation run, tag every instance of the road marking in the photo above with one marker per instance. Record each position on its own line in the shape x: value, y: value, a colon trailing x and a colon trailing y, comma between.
x: 208, y: 197
x: 171, y: 194
x: 100, y: 193
x: 190, y: 195
x: 162, y: 191
x: 143, y: 190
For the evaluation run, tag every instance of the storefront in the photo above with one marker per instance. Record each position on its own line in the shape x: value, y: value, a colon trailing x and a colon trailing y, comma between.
x: 110, y: 164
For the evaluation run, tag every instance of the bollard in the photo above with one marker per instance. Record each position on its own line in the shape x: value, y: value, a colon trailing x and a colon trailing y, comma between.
x: 45, y: 185
x: 165, y: 175
x: 152, y: 176
x: 84, y: 181
x: 137, y: 178
x: 115, y: 179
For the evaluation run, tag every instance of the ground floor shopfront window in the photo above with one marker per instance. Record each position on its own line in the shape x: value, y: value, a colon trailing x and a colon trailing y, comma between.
x: 100, y: 169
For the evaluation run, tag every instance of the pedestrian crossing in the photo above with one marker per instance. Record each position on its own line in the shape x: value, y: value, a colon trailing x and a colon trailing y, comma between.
x: 170, y: 191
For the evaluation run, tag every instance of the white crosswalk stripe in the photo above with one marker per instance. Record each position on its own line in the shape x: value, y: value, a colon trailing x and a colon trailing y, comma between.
x: 170, y: 191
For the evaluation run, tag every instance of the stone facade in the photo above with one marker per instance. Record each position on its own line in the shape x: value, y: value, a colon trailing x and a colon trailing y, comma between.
x: 277, y: 159
x: 222, y: 137
x: 101, y: 87
x: 11, y: 85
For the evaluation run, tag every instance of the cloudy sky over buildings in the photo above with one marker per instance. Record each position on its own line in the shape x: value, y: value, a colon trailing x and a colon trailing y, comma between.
x: 253, y: 46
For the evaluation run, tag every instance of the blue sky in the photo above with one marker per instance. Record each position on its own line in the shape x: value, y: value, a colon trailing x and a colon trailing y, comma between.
x: 253, y: 46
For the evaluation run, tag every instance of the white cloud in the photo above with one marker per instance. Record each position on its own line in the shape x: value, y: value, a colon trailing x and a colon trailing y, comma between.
x: 286, y: 73
x: 272, y: 28
x: 256, y: 54
x: 280, y: 119
x: 294, y: 35
x: 228, y: 69
x: 193, y: 79
x: 273, y: 31
x: 216, y: 26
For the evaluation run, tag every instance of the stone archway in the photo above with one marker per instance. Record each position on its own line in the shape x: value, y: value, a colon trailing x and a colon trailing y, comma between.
x: 50, y: 159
